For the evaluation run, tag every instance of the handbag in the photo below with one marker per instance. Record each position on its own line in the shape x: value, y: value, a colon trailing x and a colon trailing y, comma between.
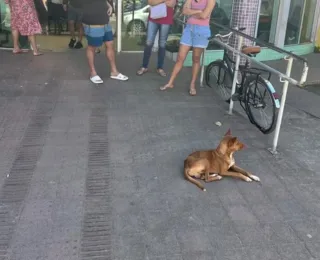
x: 158, y: 11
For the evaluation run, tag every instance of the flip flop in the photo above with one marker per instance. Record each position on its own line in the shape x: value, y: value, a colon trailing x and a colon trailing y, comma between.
x: 37, y: 54
x: 161, y: 72
x: 96, y: 79
x: 165, y: 87
x: 120, y: 77
x: 19, y: 51
x: 142, y: 71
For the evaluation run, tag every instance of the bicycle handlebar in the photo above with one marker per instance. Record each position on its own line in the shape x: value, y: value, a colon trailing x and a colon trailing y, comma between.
x: 228, y: 35
x: 222, y: 37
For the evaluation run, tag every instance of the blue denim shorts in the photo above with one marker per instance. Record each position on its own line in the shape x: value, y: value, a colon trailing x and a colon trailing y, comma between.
x: 196, y: 36
x: 96, y: 36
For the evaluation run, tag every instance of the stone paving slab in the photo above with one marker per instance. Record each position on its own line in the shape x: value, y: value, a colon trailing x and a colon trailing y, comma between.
x: 110, y: 166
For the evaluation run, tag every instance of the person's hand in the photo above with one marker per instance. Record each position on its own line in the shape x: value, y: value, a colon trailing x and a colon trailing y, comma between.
x: 110, y: 10
x: 64, y: 7
x: 170, y: 3
x: 203, y: 16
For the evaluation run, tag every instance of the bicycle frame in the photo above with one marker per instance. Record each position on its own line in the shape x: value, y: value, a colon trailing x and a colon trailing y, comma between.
x: 228, y: 62
x: 245, y: 71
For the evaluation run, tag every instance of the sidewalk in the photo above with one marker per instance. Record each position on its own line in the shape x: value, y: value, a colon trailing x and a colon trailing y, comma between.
x: 96, y: 172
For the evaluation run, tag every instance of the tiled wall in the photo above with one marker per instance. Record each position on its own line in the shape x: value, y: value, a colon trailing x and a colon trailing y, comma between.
x: 244, y: 14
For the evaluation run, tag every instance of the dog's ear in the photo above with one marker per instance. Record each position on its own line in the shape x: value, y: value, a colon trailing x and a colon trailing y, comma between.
x: 228, y: 132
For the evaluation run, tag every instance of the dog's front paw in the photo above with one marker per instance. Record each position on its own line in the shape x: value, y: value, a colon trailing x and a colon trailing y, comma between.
x: 255, y: 178
x: 247, y: 179
x: 219, y: 177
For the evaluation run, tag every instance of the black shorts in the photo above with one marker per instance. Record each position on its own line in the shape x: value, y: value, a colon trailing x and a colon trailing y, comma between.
x: 74, y: 14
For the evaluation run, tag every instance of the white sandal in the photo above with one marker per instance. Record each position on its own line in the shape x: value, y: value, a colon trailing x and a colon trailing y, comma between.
x: 96, y: 79
x: 120, y: 77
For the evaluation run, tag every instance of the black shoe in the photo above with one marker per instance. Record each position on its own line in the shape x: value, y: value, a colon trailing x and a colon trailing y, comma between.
x: 71, y: 43
x: 78, y: 45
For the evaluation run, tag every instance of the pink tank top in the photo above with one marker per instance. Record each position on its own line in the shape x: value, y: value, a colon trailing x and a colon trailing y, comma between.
x: 201, y: 5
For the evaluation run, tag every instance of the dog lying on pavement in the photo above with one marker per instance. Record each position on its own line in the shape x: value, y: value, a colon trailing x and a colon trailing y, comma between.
x: 212, y: 165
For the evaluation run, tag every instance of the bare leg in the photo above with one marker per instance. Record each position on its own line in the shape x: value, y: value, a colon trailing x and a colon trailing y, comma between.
x: 80, y: 33
x: 72, y: 29
x: 90, y: 56
x: 238, y: 169
x: 32, y: 40
x: 183, y: 52
x: 15, y: 38
x: 111, y: 57
x: 196, y: 57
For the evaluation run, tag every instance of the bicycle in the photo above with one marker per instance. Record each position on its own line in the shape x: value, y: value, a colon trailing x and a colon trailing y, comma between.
x: 247, y: 91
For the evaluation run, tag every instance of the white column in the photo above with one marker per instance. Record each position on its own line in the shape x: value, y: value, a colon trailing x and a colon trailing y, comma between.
x: 244, y: 14
x: 282, y: 21
x: 119, y: 25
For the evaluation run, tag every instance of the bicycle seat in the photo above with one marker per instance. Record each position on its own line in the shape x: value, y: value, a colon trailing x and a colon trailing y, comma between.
x: 251, y: 50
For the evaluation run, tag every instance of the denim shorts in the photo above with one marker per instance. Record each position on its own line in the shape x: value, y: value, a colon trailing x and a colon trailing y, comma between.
x: 97, y: 35
x: 196, y: 36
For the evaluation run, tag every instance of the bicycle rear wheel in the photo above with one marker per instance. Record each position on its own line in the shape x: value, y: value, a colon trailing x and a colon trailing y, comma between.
x: 260, y: 104
x: 219, y: 78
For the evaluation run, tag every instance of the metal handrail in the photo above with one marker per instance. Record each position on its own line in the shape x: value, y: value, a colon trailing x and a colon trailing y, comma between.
x: 266, y: 44
x: 272, y: 70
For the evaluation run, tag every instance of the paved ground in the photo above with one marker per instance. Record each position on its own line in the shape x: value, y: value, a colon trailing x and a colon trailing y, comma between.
x: 96, y: 172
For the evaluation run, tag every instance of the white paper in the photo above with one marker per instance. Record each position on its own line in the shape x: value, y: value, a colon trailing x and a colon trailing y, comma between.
x: 158, y: 11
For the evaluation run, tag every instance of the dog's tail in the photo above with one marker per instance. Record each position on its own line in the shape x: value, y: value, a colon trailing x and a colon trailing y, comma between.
x: 189, y: 178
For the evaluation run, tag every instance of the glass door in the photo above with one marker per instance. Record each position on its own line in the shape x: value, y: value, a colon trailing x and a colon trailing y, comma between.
x: 300, y: 21
x: 268, y: 20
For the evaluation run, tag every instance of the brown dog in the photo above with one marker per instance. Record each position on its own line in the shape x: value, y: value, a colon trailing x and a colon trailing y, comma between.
x: 211, y: 165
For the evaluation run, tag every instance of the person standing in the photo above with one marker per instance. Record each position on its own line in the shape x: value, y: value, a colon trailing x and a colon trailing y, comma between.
x: 161, y: 25
x: 73, y: 7
x: 98, y: 31
x: 24, y: 21
x: 195, y: 35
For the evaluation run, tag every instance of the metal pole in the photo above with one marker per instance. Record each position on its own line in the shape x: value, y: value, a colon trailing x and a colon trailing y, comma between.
x: 202, y: 68
x: 235, y: 76
x: 119, y: 24
x: 283, y: 102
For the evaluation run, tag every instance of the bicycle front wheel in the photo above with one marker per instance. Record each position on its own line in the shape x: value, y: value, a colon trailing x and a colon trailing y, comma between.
x: 219, y: 78
x: 260, y: 104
